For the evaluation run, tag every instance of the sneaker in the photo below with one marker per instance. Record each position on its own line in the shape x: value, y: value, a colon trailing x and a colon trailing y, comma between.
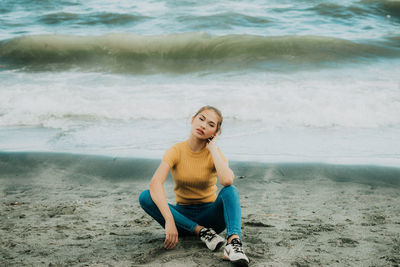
x: 234, y: 252
x: 211, y: 239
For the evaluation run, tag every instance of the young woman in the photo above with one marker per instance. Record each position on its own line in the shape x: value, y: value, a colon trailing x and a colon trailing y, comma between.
x: 195, y: 165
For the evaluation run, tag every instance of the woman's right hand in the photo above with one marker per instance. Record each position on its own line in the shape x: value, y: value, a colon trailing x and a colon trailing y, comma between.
x: 171, y: 235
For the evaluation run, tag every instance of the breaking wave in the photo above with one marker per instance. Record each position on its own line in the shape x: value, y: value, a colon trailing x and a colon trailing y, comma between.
x: 188, y: 52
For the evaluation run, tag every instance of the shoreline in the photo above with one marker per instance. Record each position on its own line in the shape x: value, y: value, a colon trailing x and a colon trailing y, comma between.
x: 335, y: 146
x: 130, y: 168
x: 79, y: 210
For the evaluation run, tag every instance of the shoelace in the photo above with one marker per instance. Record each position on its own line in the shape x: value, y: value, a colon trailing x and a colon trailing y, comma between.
x: 237, y: 246
x: 208, y: 234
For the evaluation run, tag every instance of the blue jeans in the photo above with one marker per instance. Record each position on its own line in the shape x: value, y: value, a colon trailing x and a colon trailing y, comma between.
x: 224, y: 212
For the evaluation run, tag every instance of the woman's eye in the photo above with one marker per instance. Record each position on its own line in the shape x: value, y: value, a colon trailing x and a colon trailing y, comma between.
x: 201, y: 118
x: 211, y: 125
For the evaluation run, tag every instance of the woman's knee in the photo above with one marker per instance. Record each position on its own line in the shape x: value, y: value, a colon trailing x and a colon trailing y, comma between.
x: 145, y: 199
x: 227, y: 190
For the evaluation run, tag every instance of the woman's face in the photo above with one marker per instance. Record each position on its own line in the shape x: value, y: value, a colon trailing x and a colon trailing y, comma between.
x: 204, y: 125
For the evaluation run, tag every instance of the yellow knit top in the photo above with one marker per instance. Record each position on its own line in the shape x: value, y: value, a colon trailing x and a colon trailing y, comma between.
x: 194, y: 174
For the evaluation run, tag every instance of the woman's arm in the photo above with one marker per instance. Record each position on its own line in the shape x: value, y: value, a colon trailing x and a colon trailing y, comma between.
x: 158, y: 195
x: 225, y: 174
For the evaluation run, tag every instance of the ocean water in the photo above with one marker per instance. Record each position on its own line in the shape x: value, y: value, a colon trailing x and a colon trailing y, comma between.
x: 297, y: 81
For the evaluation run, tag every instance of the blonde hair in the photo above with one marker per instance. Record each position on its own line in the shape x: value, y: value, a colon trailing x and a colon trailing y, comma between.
x: 217, y: 111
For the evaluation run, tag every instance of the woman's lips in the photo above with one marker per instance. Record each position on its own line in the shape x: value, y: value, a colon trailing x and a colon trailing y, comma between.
x: 200, y: 131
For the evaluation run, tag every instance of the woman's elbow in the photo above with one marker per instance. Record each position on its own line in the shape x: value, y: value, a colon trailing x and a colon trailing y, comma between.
x: 225, y: 184
x: 227, y: 181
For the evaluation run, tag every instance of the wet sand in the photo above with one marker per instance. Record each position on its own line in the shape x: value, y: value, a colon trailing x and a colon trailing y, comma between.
x: 71, y: 210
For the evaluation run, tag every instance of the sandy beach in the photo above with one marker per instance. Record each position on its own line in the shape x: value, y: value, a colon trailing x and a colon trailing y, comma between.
x: 93, y: 93
x: 75, y: 210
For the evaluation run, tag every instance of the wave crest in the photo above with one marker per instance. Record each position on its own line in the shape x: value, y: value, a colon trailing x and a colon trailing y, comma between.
x: 180, y: 52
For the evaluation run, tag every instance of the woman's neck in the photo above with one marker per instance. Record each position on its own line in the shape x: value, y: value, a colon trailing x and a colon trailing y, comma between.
x: 196, y: 144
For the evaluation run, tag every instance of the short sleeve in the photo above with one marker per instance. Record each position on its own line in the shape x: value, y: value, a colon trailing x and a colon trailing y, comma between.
x: 171, y: 156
